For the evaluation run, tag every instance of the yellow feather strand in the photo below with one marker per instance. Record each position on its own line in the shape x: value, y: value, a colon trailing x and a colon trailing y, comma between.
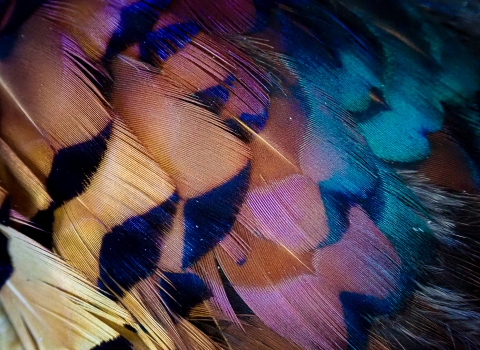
x: 8, y: 336
x: 50, y: 305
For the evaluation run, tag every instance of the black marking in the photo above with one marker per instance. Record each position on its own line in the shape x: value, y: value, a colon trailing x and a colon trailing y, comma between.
x: 395, y: 15
x: 160, y: 5
x: 73, y: 167
x: 10, y: 31
x: 130, y: 252
x: 215, y: 97
x: 463, y: 123
x: 306, y: 47
x: 337, y: 206
x: 238, y: 304
x: 266, y: 10
x: 136, y: 21
x: 5, y: 211
x: 165, y: 42
x: 22, y: 11
x: 209, y: 217
x: 238, y: 130
x: 40, y: 227
x: 338, y: 200
x: 6, y: 268
x: 256, y: 122
x: 359, y: 311
x: 96, y: 75
x: 119, y: 343
x: 374, y: 204
x: 7, y: 43
x: 130, y: 328
x: 182, y: 291
x: 339, y: 31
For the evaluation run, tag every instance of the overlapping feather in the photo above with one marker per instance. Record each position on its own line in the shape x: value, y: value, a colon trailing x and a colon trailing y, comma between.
x: 45, y: 296
x: 223, y: 170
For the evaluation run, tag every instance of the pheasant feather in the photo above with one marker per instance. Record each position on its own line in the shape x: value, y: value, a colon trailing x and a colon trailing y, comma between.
x: 239, y: 174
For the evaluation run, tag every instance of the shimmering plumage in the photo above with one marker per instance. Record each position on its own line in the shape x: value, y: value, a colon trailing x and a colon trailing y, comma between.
x: 239, y: 174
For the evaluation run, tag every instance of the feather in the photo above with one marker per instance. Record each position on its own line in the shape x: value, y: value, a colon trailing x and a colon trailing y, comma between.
x: 239, y: 174
x: 9, y: 339
x: 41, y: 295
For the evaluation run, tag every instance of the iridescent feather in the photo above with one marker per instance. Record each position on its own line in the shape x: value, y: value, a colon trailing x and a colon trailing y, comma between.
x: 239, y: 174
